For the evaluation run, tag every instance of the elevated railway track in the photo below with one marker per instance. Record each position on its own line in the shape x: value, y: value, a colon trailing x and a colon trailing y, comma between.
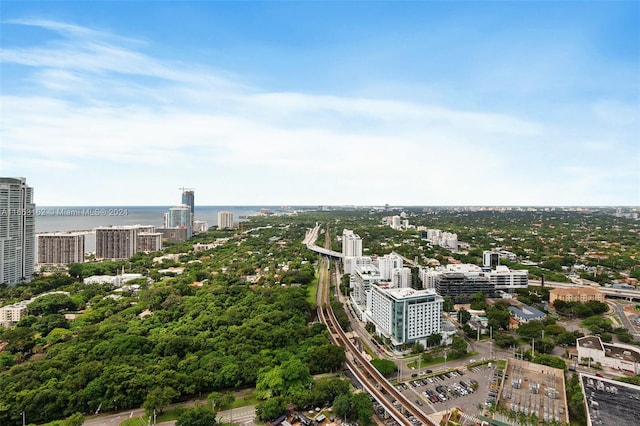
x: 370, y: 378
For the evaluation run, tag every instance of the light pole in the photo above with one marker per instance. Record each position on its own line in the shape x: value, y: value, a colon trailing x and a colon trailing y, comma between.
x: 445, y: 358
x: 24, y: 422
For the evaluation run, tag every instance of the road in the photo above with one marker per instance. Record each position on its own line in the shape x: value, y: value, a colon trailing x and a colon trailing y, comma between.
x: 243, y: 416
x: 619, y: 309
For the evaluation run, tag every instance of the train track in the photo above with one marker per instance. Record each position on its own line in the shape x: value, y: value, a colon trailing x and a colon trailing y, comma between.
x: 366, y: 373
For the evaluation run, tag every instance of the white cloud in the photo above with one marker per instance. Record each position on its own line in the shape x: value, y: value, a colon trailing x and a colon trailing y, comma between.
x: 125, y: 118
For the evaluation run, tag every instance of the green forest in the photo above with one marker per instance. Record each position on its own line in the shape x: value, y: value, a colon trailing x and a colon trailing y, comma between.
x: 171, y: 337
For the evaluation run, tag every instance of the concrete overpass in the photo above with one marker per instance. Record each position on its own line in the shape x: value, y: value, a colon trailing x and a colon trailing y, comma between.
x: 310, y: 241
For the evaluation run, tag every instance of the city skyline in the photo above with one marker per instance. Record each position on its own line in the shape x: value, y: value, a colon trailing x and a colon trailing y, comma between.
x: 114, y: 103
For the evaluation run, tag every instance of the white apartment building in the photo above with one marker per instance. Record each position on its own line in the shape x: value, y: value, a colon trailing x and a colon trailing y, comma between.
x: 447, y: 240
x: 225, y: 220
x: 200, y: 226
x: 387, y: 264
x: 351, y: 250
x: 351, y: 262
x: 17, y: 231
x: 116, y: 280
x: 351, y: 244
x: 396, y: 222
x: 362, y: 279
x: 60, y: 248
x: 405, y: 315
x: 12, y: 314
x: 428, y: 277
x: 401, y: 278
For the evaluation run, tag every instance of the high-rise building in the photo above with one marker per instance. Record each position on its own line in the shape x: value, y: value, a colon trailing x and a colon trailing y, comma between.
x: 401, y: 278
x: 17, y: 230
x: 180, y: 216
x: 188, y: 199
x: 225, y: 220
x: 490, y: 259
x: 387, y: 264
x: 351, y: 244
x: 405, y: 315
x: 61, y: 248
x: 351, y: 250
x: 149, y: 241
x: 122, y: 242
x: 116, y: 242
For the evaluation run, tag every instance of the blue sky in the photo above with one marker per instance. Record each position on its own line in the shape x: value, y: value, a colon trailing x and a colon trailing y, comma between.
x: 309, y: 103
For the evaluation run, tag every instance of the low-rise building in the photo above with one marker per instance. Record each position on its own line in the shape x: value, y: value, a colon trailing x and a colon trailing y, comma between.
x: 116, y: 280
x: 526, y: 313
x: 576, y: 294
x: 591, y: 350
x: 11, y: 314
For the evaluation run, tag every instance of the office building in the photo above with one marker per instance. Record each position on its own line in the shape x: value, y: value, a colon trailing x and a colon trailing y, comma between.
x: 225, y: 220
x: 461, y: 287
x: 17, y: 231
x: 61, y: 248
x: 508, y: 280
x: 405, y: 315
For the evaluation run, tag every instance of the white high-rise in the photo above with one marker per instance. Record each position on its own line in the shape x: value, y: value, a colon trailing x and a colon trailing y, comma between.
x: 387, y: 263
x: 401, y: 278
x: 351, y: 244
x: 17, y: 231
x: 351, y: 250
x: 225, y: 220
x: 405, y: 315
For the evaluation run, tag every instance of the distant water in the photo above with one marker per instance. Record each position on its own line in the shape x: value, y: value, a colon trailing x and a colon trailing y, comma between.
x: 86, y: 218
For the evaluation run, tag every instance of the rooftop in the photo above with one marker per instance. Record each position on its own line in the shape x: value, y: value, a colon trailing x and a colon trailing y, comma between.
x: 526, y: 312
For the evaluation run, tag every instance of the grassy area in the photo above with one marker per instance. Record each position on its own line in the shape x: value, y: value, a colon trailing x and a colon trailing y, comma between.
x: 313, y: 290
x: 245, y: 400
x: 144, y: 421
x: 370, y: 352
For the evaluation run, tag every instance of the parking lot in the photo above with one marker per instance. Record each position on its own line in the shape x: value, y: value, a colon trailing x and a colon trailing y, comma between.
x: 462, y: 387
